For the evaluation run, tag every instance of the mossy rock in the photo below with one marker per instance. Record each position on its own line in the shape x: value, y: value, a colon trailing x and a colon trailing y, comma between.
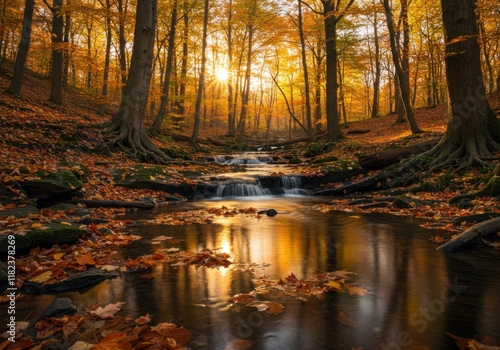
x: 177, y: 153
x: 403, y: 202
x: 317, y: 148
x: 45, y: 184
x: 55, y: 234
x: 341, y: 170
x: 324, y: 160
x: 19, y: 212
x: 79, y: 169
x: 154, y: 178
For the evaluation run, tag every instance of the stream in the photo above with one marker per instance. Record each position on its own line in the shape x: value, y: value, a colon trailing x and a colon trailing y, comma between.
x: 415, y: 295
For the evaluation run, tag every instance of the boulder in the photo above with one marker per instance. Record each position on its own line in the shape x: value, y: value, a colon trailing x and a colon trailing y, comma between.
x: 408, y: 202
x: 46, y: 184
x: 20, y: 212
x: 55, y: 234
x: 155, y: 178
x: 58, y: 308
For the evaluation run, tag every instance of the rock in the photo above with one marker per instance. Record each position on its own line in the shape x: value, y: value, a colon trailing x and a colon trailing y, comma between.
x: 336, y: 171
x: 80, y: 170
x: 269, y: 212
x: 72, y: 209
x: 317, y: 148
x: 78, y: 281
x: 20, y: 212
x: 58, y: 308
x: 55, y: 234
x: 324, y: 160
x: 155, y: 178
x: 408, y: 202
x: 45, y: 184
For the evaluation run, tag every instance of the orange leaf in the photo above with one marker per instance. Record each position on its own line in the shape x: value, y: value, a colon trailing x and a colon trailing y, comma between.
x: 86, y: 259
x: 112, y: 342
x: 143, y: 319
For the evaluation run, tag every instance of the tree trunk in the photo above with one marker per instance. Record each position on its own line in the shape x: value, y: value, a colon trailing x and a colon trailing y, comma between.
x: 22, y: 53
x: 56, y: 87
x: 230, y: 111
x: 127, y: 125
x: 306, y: 76
x: 376, y: 81
x: 181, y: 107
x: 246, y: 88
x: 122, y: 12
x: 317, y: 88
x: 66, y: 36
x: 105, y: 78
x: 473, y: 130
x: 475, y: 232
x: 332, y: 109
x: 201, y: 81
x: 155, y: 128
x: 400, y: 74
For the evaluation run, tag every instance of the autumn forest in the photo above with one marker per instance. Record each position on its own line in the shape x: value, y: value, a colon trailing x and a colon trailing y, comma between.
x: 263, y: 174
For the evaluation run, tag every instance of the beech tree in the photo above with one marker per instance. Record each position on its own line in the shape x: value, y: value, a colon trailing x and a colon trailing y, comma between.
x: 127, y: 125
x: 473, y: 131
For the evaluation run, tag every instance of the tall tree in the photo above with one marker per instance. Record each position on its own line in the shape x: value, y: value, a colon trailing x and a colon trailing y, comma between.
x: 155, y: 128
x: 22, y: 53
x: 56, y: 78
x: 306, y: 74
x: 473, y: 131
x: 127, y: 125
x: 105, y: 78
x: 405, y: 94
x: 201, y: 79
x: 333, y: 13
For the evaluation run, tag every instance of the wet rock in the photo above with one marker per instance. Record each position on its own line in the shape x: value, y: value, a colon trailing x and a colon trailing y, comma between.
x: 71, y: 209
x: 80, y: 170
x: 269, y: 212
x: 79, y: 281
x: 58, y: 308
x: 55, y: 234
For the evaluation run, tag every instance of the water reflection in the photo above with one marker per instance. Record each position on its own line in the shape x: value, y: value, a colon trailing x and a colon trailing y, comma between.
x: 415, y: 296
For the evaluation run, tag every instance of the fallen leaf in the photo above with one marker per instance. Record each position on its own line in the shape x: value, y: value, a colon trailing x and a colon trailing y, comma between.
x: 86, y: 259
x: 42, y: 277
x: 112, y: 341
x: 333, y: 285
x: 238, y: 344
x: 81, y: 345
x: 346, y: 320
x: 143, y: 319
x: 108, y: 311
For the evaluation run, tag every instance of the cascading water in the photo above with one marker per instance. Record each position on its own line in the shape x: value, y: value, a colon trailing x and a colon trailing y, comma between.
x: 241, y: 190
x: 290, y: 184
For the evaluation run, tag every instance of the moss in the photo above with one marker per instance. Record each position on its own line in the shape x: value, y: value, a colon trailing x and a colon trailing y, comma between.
x: 323, y: 160
x: 177, y: 152
x: 56, y: 234
x: 492, y: 188
x: 317, y: 148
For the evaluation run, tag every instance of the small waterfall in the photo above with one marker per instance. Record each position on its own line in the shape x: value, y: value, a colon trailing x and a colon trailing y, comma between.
x: 243, y: 160
x: 292, y: 185
x: 241, y: 190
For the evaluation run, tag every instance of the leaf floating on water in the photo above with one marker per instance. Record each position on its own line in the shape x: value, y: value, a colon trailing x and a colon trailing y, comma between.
x: 333, y: 285
x: 143, y: 319
x: 346, y: 320
x: 355, y: 290
x: 244, y: 298
x: 108, y: 311
x: 113, y: 341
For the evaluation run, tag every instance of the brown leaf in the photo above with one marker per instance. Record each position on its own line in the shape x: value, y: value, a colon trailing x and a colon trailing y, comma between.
x: 143, y: 319
x: 346, y: 320
x: 238, y: 344
x: 112, y: 341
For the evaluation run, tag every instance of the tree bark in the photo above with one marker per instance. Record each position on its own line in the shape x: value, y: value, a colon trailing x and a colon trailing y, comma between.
x: 56, y: 86
x: 127, y: 125
x: 105, y: 78
x: 22, y: 53
x: 382, y: 159
x: 306, y: 75
x: 201, y: 79
x: 400, y: 74
x: 155, y: 128
x: 477, y: 231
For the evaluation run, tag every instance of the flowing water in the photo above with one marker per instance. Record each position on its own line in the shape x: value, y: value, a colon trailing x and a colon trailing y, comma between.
x: 415, y: 296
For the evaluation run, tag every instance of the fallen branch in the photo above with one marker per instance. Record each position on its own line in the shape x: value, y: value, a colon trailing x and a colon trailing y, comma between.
x: 477, y: 231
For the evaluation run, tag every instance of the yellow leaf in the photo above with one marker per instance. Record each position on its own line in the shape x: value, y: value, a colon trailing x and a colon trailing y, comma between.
x: 333, y: 284
x: 37, y: 226
x: 42, y: 277
x: 65, y: 223
x: 58, y: 256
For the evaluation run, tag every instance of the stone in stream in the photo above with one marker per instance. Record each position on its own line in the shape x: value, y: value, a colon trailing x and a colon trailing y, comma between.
x: 269, y: 212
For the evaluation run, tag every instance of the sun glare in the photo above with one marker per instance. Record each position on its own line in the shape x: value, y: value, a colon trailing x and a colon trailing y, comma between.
x: 221, y: 74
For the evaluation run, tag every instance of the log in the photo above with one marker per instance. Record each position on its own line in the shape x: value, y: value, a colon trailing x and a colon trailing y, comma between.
x: 382, y: 159
x: 218, y: 143
x: 95, y: 203
x: 357, y: 131
x: 477, y: 231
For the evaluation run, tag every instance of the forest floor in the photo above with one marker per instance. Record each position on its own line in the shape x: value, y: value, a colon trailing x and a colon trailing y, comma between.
x: 37, y: 135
